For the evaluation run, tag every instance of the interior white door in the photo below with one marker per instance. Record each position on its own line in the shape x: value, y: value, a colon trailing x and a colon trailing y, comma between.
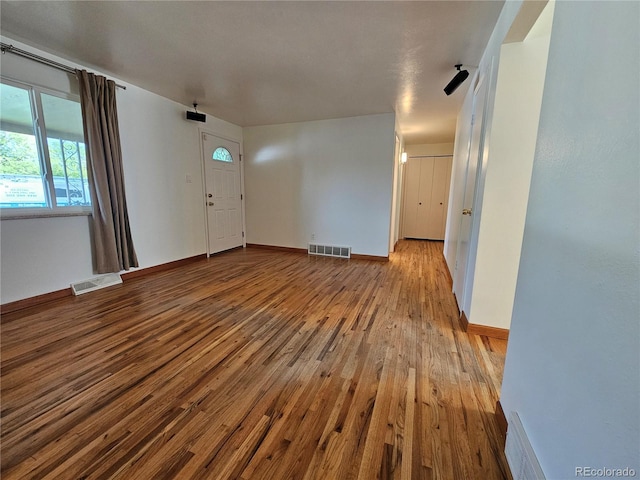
x: 461, y: 279
x: 223, y: 193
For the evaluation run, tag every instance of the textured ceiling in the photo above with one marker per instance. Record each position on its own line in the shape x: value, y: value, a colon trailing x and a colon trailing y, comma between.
x: 257, y: 63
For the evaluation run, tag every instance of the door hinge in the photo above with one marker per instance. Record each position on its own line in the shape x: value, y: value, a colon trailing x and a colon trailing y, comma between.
x: 241, y: 197
x: 242, y: 234
x: 241, y: 157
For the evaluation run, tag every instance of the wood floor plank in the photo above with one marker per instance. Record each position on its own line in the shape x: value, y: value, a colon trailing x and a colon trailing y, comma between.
x: 406, y: 472
x: 254, y: 364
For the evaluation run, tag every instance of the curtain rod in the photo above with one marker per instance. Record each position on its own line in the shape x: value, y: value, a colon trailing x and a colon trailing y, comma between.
x: 5, y: 47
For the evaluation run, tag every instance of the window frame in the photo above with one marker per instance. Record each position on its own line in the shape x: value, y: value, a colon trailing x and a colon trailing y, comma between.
x: 40, y: 132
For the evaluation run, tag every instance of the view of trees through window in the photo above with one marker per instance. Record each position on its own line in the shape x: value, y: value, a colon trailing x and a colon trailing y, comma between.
x: 23, y: 161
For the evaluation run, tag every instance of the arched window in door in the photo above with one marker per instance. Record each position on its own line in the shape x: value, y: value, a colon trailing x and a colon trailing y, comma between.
x: 221, y: 154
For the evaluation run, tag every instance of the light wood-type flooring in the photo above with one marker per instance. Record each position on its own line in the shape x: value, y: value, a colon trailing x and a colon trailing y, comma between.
x: 255, y: 364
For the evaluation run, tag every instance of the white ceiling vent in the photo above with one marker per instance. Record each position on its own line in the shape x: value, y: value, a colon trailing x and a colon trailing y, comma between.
x: 520, y: 455
x: 329, y: 250
x: 96, y: 283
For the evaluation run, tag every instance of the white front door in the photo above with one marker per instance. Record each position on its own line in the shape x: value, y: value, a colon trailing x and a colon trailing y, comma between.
x: 223, y: 194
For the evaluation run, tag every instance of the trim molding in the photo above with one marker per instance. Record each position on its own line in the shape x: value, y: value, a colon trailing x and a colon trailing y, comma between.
x: 374, y: 258
x: 277, y: 248
x: 143, y: 272
x: 494, y: 332
x: 464, y: 322
x: 354, y: 256
x: 472, y: 328
x: 457, y: 304
x: 448, y: 273
x: 501, y: 420
x: 67, y: 292
x: 36, y: 300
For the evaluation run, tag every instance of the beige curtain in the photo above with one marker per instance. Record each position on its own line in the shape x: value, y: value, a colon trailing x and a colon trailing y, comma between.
x: 112, y: 243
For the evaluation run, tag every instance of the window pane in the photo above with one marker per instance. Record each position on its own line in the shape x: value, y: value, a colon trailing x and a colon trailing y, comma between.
x: 69, y: 167
x: 65, y: 139
x: 21, y: 181
x: 222, y: 155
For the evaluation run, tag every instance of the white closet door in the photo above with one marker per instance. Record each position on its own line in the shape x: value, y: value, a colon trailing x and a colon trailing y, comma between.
x: 426, y: 197
x: 410, y: 226
x: 438, y: 202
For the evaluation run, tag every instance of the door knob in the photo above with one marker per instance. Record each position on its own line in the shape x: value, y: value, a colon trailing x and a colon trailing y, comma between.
x: 210, y: 204
x: 210, y: 195
x: 467, y: 211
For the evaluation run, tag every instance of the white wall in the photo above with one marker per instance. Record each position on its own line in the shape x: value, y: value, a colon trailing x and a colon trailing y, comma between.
x: 508, y: 174
x: 573, y: 370
x: 329, y: 178
x: 159, y: 147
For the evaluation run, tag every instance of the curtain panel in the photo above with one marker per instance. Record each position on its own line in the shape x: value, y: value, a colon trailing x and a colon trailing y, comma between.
x: 112, y: 243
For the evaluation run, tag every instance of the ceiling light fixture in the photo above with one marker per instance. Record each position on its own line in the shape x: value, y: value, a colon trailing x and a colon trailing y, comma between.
x: 456, y: 81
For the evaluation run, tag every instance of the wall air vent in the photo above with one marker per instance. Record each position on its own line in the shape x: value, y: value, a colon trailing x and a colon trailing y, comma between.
x: 96, y: 283
x: 520, y: 455
x: 329, y: 250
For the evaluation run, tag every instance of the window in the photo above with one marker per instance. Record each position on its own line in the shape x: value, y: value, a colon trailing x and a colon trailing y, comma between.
x: 222, y: 155
x: 43, y: 167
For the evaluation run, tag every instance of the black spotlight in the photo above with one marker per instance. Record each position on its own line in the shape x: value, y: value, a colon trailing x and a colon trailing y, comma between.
x: 456, y: 81
x: 198, y: 117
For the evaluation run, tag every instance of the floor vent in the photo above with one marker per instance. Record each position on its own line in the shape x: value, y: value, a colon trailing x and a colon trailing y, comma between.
x: 520, y: 455
x: 96, y: 283
x: 329, y: 250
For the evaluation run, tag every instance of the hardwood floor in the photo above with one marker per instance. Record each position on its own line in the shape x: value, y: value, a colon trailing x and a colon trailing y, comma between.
x: 255, y: 365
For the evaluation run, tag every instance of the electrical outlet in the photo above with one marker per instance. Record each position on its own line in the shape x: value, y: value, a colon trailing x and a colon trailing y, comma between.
x: 189, y: 179
x: 313, y: 236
